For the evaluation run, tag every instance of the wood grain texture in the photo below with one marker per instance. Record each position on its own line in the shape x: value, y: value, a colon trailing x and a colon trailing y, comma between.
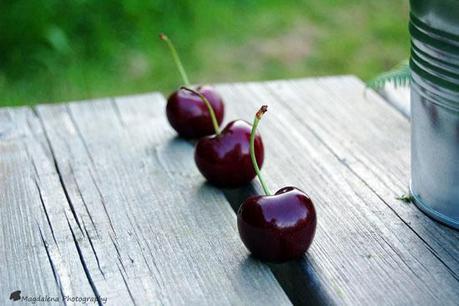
x: 122, y: 212
x: 37, y: 258
x: 350, y: 152
x: 101, y: 198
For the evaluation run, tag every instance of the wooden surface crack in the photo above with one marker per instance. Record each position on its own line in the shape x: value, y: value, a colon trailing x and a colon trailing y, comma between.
x: 46, y: 213
x: 102, y: 201
x: 87, y: 271
x: 78, y: 189
x: 53, y: 268
x: 93, y: 250
x: 131, y: 296
x: 58, y: 171
x: 118, y: 253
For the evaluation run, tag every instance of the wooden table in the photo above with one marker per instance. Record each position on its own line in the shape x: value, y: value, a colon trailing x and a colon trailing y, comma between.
x: 100, y: 198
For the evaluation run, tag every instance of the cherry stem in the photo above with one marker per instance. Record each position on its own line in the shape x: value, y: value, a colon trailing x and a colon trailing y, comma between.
x: 176, y: 57
x: 256, y: 120
x: 209, y: 107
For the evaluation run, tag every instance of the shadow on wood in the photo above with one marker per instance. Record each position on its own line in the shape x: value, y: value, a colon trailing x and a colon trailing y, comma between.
x: 299, y: 281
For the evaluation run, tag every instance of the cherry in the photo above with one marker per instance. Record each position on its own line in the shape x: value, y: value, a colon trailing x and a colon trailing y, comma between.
x: 189, y: 116
x: 277, y: 227
x: 186, y: 112
x: 224, y: 159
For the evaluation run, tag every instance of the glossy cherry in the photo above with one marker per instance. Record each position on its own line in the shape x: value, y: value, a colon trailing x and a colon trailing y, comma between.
x: 189, y: 116
x: 277, y: 227
x: 186, y: 112
x: 224, y: 159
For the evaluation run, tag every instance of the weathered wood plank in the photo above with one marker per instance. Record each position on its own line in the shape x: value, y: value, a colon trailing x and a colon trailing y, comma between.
x: 384, y: 164
x: 36, y: 259
x: 351, y: 154
x: 119, y: 209
x: 147, y: 228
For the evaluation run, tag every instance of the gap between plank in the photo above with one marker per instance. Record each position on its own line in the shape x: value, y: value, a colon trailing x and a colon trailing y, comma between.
x: 301, y: 288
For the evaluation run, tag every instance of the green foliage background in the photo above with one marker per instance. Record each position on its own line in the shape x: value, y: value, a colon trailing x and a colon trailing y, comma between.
x: 54, y: 50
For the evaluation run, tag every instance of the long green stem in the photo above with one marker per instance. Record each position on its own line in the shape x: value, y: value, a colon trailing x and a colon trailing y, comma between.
x: 176, y: 57
x: 258, y: 116
x: 209, y: 107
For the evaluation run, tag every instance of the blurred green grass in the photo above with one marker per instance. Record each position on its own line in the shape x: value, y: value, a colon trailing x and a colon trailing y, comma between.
x: 54, y: 50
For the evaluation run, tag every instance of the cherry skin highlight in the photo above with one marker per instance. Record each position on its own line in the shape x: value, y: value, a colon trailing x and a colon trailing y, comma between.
x: 224, y: 160
x: 279, y: 227
x: 189, y: 115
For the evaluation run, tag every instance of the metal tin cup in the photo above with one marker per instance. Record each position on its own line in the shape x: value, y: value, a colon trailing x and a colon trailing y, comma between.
x: 434, y: 28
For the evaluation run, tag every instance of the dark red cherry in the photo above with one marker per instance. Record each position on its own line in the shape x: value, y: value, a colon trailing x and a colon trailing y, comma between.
x: 190, y: 116
x: 224, y: 160
x: 279, y: 227
x: 186, y: 110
